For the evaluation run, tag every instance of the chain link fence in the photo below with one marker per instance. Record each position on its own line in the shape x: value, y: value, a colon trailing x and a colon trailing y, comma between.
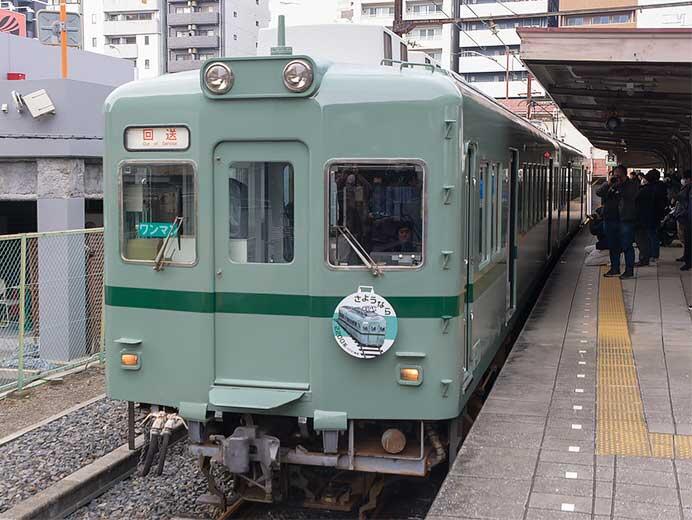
x: 51, y: 303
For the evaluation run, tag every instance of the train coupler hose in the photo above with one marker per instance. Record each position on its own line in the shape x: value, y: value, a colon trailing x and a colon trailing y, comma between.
x: 173, y: 420
x: 154, y: 435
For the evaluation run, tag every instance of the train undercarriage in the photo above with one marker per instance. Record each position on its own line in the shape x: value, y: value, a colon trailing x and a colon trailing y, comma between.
x: 274, y: 458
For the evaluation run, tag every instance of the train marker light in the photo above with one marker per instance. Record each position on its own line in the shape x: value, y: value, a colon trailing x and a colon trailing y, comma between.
x: 409, y: 375
x: 219, y: 78
x: 298, y: 75
x: 129, y: 359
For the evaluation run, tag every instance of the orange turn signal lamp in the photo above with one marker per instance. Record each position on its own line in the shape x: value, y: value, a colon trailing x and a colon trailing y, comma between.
x: 129, y: 359
x: 409, y: 374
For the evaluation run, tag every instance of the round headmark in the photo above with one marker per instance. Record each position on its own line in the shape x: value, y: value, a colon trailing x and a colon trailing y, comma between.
x: 364, y: 324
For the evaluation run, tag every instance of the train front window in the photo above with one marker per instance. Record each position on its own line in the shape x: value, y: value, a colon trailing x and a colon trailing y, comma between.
x: 158, y: 203
x: 260, y: 216
x: 375, y: 214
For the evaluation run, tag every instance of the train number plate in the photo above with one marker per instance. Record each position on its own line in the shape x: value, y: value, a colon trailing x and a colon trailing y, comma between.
x: 140, y: 138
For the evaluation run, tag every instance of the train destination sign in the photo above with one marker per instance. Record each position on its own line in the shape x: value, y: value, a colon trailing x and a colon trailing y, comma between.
x: 140, y: 138
x: 364, y: 324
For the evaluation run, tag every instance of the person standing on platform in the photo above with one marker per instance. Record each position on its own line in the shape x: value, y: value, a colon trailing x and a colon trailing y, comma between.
x: 646, y: 215
x: 653, y: 177
x: 620, y: 216
x: 684, y: 218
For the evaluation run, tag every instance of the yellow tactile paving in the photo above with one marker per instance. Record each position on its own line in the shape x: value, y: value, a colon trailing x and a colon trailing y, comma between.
x: 621, y: 427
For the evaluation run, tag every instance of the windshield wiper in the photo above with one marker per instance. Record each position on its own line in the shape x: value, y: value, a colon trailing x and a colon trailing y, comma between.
x: 160, y: 258
x: 359, y: 250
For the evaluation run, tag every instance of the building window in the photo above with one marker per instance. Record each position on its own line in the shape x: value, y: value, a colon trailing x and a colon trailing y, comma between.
x: 147, y: 64
x: 235, y: 36
x: 146, y: 40
x: 235, y: 14
x: 256, y: 23
x: 93, y: 18
x: 93, y: 42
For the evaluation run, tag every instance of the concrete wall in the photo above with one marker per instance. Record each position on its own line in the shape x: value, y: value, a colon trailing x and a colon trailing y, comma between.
x: 84, y: 120
x: 23, y: 179
x: 40, y: 62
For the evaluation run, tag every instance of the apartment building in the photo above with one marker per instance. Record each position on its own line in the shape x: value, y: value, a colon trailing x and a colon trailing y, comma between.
x: 202, y: 29
x: 160, y: 36
x: 648, y: 18
x: 487, y: 49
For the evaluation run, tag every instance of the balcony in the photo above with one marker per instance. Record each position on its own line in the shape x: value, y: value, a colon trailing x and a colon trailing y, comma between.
x: 112, y: 6
x: 182, y: 65
x: 496, y: 63
x: 128, y: 50
x: 494, y: 9
x: 485, y: 38
x: 193, y: 42
x: 130, y: 27
x: 175, y: 19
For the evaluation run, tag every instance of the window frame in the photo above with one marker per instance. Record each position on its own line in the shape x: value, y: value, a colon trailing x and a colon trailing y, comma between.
x: 424, y: 211
x: 121, y: 205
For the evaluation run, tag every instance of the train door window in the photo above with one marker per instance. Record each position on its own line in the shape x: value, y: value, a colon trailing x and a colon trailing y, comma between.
x: 496, y: 207
x: 484, y: 210
x: 260, y: 220
x: 403, y: 52
x: 159, y: 211
x: 376, y: 214
x: 504, y: 221
x: 520, y: 198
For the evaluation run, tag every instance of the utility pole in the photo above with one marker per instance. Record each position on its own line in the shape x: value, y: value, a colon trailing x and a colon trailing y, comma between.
x: 454, y: 47
x: 63, y: 38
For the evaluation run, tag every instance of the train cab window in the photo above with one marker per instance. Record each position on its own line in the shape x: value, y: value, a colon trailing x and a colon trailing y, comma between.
x: 158, y: 203
x: 260, y: 220
x: 375, y: 215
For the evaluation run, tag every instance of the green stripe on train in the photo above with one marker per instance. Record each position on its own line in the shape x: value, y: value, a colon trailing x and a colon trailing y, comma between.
x: 269, y: 304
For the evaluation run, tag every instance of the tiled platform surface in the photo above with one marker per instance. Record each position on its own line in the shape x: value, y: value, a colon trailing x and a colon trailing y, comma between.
x: 532, y: 455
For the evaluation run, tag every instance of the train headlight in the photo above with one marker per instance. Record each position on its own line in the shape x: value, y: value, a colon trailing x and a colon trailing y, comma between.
x: 219, y: 78
x: 298, y: 75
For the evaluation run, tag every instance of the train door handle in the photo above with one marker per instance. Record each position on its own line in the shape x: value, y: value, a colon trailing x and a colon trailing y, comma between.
x: 219, y: 273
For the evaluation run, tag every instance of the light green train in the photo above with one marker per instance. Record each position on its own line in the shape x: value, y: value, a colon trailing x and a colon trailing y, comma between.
x: 247, y: 203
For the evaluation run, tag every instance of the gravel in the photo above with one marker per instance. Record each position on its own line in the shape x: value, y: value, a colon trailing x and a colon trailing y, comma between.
x: 43, y: 456
x: 172, y: 494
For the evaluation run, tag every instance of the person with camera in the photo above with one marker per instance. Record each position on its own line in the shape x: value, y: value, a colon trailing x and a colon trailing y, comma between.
x: 620, y: 215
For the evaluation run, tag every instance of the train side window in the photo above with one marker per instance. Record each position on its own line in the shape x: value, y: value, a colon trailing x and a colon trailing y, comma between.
x: 375, y: 208
x: 261, y: 203
x: 159, y: 210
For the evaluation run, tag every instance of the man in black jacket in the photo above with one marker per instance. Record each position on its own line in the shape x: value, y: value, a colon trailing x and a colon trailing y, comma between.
x: 684, y: 198
x: 620, y: 215
x: 646, y: 215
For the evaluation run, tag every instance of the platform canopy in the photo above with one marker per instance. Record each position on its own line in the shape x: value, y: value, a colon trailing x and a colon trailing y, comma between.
x: 629, y: 91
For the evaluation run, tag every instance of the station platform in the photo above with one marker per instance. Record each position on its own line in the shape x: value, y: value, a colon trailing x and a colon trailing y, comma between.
x: 591, y: 416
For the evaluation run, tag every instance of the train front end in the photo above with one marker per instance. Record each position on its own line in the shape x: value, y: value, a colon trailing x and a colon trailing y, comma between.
x: 270, y: 275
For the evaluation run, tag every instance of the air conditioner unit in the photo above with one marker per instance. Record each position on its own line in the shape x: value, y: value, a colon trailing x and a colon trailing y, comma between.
x: 38, y: 103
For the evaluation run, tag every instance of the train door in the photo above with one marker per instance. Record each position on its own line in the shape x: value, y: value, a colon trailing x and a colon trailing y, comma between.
x: 511, y: 224
x: 471, y: 223
x: 261, y: 268
x: 551, y: 174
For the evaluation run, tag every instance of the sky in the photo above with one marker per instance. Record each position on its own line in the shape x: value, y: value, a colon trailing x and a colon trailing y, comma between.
x: 304, y: 12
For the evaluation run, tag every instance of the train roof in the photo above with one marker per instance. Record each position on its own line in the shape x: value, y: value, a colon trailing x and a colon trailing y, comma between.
x: 340, y: 84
